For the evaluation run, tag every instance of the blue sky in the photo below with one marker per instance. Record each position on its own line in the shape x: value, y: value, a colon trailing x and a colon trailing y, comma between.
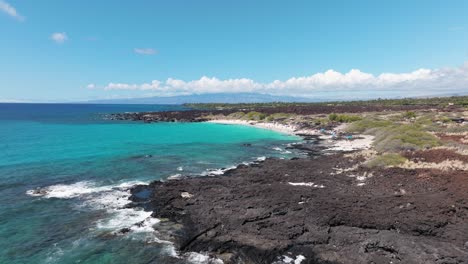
x: 118, y: 49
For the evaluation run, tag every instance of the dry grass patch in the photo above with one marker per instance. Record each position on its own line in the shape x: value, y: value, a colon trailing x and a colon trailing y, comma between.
x: 445, y: 165
x: 386, y: 160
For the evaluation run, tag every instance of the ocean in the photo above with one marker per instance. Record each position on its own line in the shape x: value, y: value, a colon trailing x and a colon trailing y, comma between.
x: 65, y: 172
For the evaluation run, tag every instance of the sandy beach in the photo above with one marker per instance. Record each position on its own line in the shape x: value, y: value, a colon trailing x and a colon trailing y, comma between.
x: 359, y: 142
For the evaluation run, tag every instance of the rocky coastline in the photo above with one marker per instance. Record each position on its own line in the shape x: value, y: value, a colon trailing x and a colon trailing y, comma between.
x: 200, y: 115
x: 326, y: 208
x: 315, y: 208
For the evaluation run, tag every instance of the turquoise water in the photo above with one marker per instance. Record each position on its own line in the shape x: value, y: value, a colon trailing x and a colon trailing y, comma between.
x: 65, y: 174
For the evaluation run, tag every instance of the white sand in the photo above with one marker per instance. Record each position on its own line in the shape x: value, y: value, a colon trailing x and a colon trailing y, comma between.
x: 360, y: 143
x: 282, y: 128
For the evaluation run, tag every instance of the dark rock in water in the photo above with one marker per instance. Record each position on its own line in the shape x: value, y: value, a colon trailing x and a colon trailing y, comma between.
x: 124, y: 230
x: 307, y: 207
x: 142, y: 194
x: 145, y: 156
x: 169, y: 116
x: 311, y: 148
x: 247, y: 144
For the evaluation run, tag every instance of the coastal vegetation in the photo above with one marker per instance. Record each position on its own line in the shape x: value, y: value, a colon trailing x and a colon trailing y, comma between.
x: 278, y: 117
x: 409, y: 115
x: 434, y: 102
x: 253, y: 115
x: 368, y: 123
x: 396, y: 134
x: 395, y: 137
x: 403, y: 137
x: 343, y: 118
x: 386, y: 160
x: 257, y: 116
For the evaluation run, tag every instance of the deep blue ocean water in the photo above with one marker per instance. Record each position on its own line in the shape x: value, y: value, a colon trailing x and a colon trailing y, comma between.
x: 65, y: 172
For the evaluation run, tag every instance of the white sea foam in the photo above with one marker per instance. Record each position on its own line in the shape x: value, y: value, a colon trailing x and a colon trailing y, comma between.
x: 65, y: 191
x: 175, y: 176
x: 282, y: 151
x: 214, y: 172
x: 198, y: 258
x: 112, y: 198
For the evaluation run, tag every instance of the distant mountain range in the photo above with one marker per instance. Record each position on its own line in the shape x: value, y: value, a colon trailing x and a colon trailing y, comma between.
x: 208, y: 98
x: 243, y: 98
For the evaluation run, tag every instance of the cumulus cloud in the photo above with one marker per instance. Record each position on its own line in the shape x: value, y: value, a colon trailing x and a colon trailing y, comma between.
x: 418, y: 82
x: 59, y: 37
x: 10, y: 10
x: 144, y: 51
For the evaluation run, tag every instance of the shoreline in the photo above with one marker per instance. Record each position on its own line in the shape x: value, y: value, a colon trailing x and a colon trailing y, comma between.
x: 359, y: 142
x: 277, y: 127
x: 330, y: 206
x: 275, y: 210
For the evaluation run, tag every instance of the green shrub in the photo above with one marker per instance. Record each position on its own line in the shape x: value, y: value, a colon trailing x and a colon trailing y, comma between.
x: 385, y: 160
x: 444, y: 119
x: 342, y: 118
x: 366, y: 124
x: 396, y: 137
x: 255, y: 115
x: 332, y: 117
x: 403, y: 137
x: 321, y: 121
x: 409, y: 115
x: 424, y: 121
x: 237, y: 115
x: 278, y: 116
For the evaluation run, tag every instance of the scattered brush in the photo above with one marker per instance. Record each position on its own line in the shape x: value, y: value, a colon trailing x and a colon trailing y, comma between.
x: 278, y: 117
x: 367, y: 124
x: 257, y: 116
x: 343, y: 118
x: 404, y: 137
x: 237, y: 115
x: 386, y: 160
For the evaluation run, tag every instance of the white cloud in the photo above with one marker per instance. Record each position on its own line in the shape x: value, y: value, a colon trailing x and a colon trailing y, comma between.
x: 91, y: 86
x: 10, y: 10
x: 144, y: 51
x: 418, y: 82
x: 59, y: 37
